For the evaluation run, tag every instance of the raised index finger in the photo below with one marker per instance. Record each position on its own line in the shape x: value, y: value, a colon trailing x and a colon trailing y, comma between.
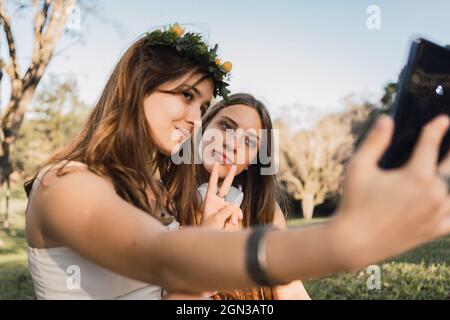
x: 213, y: 179
x: 226, y: 184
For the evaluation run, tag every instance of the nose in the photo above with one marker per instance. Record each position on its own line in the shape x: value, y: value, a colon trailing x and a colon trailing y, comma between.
x: 231, y: 142
x: 194, y: 115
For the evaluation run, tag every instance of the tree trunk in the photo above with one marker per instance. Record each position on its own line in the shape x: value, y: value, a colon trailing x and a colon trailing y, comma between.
x: 10, y: 128
x: 308, y: 205
x: 7, y: 223
x: 10, y: 131
x: 49, y: 22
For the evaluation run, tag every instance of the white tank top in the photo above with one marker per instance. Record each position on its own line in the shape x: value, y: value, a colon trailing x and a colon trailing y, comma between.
x: 61, y: 273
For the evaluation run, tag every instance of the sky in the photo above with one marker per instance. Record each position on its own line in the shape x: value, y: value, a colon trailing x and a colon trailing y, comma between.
x: 307, y: 54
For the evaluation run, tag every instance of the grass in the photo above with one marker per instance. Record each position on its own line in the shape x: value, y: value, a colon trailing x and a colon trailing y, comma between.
x: 423, y: 273
x: 15, y: 279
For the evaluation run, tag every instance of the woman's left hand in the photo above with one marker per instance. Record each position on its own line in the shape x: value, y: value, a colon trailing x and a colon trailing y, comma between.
x: 216, y: 212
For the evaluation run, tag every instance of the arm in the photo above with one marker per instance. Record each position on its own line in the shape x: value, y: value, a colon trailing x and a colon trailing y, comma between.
x: 82, y: 210
x: 95, y: 222
x: 294, y: 290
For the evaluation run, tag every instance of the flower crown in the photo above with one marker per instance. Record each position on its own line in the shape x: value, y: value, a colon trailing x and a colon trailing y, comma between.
x: 191, y: 45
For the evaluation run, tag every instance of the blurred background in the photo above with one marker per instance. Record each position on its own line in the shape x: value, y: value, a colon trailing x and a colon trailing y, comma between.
x: 325, y: 70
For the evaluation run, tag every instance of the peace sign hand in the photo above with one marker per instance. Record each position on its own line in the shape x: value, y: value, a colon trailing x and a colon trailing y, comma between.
x: 216, y: 212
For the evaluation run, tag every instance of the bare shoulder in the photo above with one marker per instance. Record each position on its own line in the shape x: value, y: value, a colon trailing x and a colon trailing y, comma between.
x: 81, y: 210
x: 73, y: 205
x: 68, y: 193
x: 63, y: 196
x: 70, y: 182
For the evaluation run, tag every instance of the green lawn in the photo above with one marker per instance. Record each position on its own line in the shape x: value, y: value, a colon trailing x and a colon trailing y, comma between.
x: 423, y: 273
x: 420, y: 274
x: 15, y: 280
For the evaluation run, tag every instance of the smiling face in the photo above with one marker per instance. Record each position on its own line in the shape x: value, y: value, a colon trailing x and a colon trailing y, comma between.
x: 232, y: 137
x: 175, y: 108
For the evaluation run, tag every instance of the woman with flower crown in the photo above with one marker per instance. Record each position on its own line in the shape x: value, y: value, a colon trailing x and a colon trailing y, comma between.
x: 101, y: 221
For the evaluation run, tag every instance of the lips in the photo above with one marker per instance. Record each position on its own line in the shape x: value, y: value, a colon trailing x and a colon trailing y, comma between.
x: 186, y: 133
x: 183, y: 134
x: 222, y: 158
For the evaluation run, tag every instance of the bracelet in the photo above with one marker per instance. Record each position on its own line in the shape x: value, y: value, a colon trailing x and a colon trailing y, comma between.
x: 256, y: 260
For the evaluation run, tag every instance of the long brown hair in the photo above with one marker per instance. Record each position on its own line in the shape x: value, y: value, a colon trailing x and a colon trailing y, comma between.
x: 116, y: 141
x: 261, y: 192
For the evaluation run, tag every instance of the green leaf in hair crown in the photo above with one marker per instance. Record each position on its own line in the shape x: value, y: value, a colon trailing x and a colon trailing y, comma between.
x: 191, y: 44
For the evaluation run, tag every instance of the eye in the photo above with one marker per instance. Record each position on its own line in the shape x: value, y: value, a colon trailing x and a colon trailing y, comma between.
x: 203, y: 109
x: 251, y: 142
x: 226, y: 126
x: 189, y: 96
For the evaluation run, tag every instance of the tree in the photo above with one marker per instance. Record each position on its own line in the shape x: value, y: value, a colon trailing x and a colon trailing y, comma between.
x: 49, y: 21
x: 312, y: 162
x: 55, y: 115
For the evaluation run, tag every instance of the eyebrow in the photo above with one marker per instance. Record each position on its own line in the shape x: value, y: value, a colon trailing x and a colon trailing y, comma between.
x: 197, y: 92
x: 193, y: 86
x: 231, y: 120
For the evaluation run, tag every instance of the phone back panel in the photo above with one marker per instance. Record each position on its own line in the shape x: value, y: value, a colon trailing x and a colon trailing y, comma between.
x: 423, y: 93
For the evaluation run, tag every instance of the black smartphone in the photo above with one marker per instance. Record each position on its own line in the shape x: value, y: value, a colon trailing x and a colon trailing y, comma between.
x: 423, y: 92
